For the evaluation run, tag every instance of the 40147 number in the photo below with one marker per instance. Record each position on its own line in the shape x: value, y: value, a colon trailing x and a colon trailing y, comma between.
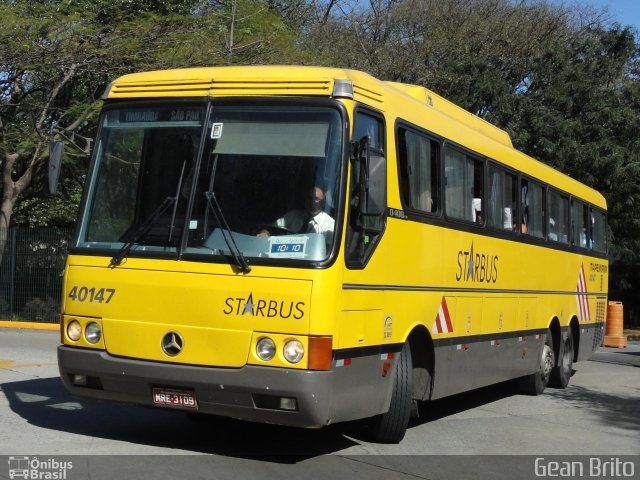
x: 85, y: 294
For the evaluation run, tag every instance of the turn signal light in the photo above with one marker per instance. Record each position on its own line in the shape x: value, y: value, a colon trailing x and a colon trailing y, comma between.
x: 320, y: 353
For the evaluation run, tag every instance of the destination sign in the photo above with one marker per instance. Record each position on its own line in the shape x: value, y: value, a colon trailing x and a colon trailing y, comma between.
x: 155, y: 115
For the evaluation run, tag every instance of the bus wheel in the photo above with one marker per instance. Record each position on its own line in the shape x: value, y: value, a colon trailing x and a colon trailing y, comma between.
x: 561, y: 374
x: 535, y: 383
x: 390, y: 427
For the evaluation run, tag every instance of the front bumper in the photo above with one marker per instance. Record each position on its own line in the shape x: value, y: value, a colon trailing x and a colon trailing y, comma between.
x: 243, y: 393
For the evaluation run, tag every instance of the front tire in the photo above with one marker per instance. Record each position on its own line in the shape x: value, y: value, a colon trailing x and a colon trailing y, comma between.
x: 391, y: 426
x: 535, y: 383
x: 561, y: 374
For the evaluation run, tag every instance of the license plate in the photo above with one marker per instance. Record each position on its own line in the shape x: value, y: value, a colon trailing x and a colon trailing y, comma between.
x: 174, y: 398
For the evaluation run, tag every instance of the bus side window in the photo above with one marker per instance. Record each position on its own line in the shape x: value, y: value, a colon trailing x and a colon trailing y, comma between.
x: 598, y: 230
x: 579, y: 224
x: 418, y: 171
x: 532, y: 208
x: 368, y: 126
x: 463, y: 186
x: 502, y: 199
x: 558, y: 226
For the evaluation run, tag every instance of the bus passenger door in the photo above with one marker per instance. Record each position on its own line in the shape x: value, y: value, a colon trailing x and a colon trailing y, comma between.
x: 361, y: 326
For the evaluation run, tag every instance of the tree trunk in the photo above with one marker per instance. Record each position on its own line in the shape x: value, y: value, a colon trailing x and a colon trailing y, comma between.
x: 11, y: 190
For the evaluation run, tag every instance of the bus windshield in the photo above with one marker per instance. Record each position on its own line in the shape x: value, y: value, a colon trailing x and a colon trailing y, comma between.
x: 265, y: 186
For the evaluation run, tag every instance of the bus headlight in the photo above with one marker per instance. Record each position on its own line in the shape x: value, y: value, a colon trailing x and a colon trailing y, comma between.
x: 293, y: 351
x: 92, y: 333
x: 74, y: 330
x: 265, y: 349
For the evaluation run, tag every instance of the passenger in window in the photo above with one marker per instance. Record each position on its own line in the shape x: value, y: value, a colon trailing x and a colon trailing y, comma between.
x: 525, y: 219
x: 476, y: 210
x: 525, y: 208
x: 583, y: 238
x: 584, y: 242
x: 311, y: 219
x: 507, y: 219
x: 425, y: 202
x: 553, y: 233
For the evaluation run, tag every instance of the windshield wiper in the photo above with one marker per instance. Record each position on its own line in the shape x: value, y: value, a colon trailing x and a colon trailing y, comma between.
x: 141, y: 231
x: 241, y: 262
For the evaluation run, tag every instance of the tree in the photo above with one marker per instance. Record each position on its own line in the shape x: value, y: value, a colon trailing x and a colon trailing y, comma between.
x: 561, y: 80
x: 580, y: 113
x: 56, y: 58
x: 34, y: 82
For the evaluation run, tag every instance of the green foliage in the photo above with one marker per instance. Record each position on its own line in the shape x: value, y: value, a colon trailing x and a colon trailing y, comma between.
x: 57, y: 57
x: 38, y: 310
x: 565, y: 85
x: 579, y: 114
x: 60, y: 210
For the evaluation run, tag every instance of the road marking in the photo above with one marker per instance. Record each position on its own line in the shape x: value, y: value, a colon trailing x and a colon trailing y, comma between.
x: 9, y: 364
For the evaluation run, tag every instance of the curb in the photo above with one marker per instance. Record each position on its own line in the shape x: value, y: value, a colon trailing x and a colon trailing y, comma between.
x: 29, y: 325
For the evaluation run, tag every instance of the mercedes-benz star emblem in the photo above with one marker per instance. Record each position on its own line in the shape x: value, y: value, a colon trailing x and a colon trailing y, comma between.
x: 172, y: 343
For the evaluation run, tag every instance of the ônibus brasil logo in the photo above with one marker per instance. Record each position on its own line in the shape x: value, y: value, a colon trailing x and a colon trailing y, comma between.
x: 38, y: 469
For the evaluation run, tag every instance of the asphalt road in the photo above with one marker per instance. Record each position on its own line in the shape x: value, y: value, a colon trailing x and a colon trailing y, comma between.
x: 597, y: 416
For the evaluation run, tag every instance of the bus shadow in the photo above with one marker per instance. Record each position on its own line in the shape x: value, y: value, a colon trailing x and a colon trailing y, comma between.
x: 45, y: 403
x: 445, y: 407
x: 437, y: 409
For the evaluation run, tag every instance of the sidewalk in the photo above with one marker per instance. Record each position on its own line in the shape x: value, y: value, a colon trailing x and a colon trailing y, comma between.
x: 632, y: 334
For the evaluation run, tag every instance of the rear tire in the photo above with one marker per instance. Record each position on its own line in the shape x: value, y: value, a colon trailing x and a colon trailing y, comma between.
x: 561, y: 374
x: 390, y: 427
x: 535, y: 383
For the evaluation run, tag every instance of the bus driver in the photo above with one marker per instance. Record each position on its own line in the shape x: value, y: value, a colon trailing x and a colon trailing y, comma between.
x: 311, y: 219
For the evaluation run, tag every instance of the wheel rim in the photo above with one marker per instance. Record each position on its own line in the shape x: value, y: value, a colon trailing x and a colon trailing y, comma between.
x: 546, y: 365
x: 567, y: 356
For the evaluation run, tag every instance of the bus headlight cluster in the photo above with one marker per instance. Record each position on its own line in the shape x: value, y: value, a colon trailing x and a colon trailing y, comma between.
x: 74, y: 330
x: 293, y: 350
x: 92, y: 332
x: 265, y: 349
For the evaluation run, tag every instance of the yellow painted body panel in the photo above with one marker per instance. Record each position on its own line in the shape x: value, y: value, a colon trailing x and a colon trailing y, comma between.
x: 528, y: 287
x: 215, y: 310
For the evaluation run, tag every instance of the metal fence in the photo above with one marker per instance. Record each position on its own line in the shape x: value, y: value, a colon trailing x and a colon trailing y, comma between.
x: 31, y: 269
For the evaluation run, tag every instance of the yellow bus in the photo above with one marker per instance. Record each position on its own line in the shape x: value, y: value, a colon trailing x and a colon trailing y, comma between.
x: 305, y: 246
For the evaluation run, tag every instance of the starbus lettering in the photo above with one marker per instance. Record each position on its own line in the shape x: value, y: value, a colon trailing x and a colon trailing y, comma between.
x: 477, y: 267
x: 266, y: 308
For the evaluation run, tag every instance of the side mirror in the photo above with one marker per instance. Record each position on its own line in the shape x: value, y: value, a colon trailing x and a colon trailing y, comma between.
x: 56, y: 151
x: 369, y: 169
x: 377, y: 180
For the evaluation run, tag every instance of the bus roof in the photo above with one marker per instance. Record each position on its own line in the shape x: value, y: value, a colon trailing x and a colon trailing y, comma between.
x: 412, y: 103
